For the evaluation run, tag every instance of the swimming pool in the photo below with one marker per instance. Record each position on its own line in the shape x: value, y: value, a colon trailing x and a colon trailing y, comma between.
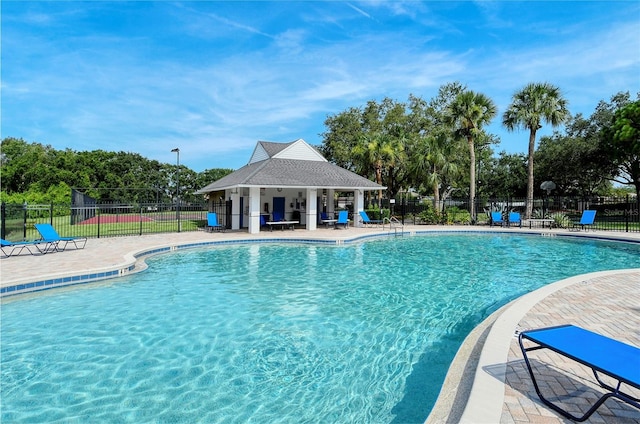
x: 265, y: 333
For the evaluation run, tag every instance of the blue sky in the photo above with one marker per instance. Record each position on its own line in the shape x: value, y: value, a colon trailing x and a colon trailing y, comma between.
x: 214, y: 77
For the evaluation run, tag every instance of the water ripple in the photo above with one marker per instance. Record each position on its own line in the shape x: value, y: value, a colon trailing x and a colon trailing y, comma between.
x: 359, y: 334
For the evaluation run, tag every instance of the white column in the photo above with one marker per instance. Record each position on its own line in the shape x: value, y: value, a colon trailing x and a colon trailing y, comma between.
x: 358, y: 206
x: 234, y: 196
x: 312, y: 209
x: 331, y: 205
x: 254, y: 210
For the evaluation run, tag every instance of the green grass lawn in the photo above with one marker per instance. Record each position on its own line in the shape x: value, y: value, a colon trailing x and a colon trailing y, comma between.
x: 63, y: 226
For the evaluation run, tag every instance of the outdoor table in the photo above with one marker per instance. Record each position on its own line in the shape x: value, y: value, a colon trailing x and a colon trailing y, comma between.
x: 328, y: 222
x: 541, y: 221
x: 282, y: 224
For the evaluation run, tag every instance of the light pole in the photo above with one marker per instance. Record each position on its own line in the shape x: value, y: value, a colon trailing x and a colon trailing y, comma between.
x: 177, y: 151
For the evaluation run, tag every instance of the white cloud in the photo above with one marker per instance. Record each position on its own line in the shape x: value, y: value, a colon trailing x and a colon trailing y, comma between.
x: 126, y: 91
x: 360, y: 11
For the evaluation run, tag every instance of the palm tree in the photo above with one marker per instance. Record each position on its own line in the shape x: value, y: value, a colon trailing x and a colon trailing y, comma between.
x: 433, y: 158
x: 535, y: 103
x: 376, y: 150
x: 467, y: 114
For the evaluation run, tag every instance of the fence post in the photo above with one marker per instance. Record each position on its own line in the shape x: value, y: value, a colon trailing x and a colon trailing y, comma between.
x: 178, y: 214
x: 51, y: 214
x: 24, y: 220
x: 140, y: 220
x: 627, y: 214
x: 3, y: 218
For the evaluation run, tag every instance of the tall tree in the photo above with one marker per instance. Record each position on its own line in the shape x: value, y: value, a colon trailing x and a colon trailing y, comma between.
x: 623, y: 140
x: 26, y: 165
x: 39, y: 169
x: 370, y: 141
x: 530, y: 107
x: 433, y: 158
x: 376, y: 150
x: 467, y: 114
x: 505, y: 176
x: 573, y: 163
x: 432, y: 162
x: 342, y: 134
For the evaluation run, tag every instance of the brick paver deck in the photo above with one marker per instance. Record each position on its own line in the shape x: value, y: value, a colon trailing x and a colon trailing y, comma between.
x: 608, y: 305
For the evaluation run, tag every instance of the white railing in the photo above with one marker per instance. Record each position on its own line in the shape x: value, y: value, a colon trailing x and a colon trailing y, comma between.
x: 394, y: 224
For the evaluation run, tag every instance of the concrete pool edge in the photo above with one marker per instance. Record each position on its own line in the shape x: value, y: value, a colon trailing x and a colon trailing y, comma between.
x: 470, y: 394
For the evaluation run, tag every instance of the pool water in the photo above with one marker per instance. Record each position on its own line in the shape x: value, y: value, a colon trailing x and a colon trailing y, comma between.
x: 285, y: 333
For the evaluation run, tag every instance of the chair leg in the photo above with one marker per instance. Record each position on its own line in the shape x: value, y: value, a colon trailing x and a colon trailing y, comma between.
x: 612, y: 393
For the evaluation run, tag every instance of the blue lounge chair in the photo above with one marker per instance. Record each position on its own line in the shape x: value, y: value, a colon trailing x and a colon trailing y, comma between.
x: 18, y: 246
x: 369, y: 222
x: 603, y: 355
x: 343, y: 219
x: 212, y: 222
x: 588, y: 218
x: 496, y: 218
x: 57, y: 243
x: 514, y: 219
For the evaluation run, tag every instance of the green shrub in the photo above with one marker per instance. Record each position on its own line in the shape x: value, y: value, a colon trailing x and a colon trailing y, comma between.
x: 376, y: 214
x: 560, y: 220
x: 455, y: 215
x: 430, y: 216
x: 537, y: 214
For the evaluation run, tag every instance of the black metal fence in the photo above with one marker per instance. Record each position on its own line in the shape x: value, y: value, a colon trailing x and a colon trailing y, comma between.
x: 106, y: 220
x: 612, y: 213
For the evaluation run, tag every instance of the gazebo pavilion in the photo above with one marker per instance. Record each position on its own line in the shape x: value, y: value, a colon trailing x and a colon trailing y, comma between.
x: 292, y: 179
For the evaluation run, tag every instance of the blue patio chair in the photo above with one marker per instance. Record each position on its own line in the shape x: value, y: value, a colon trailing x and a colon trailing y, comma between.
x: 323, y: 218
x: 587, y: 219
x: 496, y: 218
x: 343, y: 219
x: 605, y: 356
x: 212, y: 222
x: 10, y: 248
x: 57, y: 243
x: 369, y: 222
x: 327, y: 219
x: 514, y: 219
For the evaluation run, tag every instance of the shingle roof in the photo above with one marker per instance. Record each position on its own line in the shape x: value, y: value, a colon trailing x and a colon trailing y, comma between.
x: 273, y: 148
x: 292, y: 173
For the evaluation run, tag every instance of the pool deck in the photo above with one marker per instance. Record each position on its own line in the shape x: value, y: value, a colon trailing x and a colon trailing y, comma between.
x: 487, y: 382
